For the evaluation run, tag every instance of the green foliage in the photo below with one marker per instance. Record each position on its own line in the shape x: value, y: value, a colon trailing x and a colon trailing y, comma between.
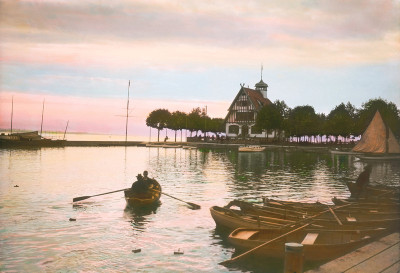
x: 303, y: 121
x: 341, y: 121
x: 158, y: 119
x: 388, y: 111
x: 269, y: 118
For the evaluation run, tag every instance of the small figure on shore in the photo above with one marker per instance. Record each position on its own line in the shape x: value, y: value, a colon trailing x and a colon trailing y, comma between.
x: 363, y: 179
x: 143, y: 183
x: 166, y: 138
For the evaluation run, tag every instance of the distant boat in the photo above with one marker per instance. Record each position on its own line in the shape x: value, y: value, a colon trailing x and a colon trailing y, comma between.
x: 251, y: 149
x: 189, y: 147
x: 28, y: 139
x: 378, y: 141
x: 154, y: 145
x: 171, y: 146
x: 344, y: 152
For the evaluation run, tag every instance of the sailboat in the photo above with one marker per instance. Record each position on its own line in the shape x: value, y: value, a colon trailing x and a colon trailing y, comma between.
x: 378, y: 141
x: 27, y: 139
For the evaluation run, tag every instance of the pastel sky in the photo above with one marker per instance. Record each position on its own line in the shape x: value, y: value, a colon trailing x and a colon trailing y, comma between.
x: 78, y: 56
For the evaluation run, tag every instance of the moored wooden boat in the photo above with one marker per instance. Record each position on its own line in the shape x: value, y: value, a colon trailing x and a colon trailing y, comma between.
x: 293, y: 213
x: 372, y: 191
x: 353, y: 219
x: 319, y: 244
x: 231, y: 219
x: 141, y: 199
x: 251, y: 149
x: 386, y: 204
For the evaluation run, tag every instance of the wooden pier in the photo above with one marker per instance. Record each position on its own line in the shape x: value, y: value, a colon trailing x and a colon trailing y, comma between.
x: 381, y: 256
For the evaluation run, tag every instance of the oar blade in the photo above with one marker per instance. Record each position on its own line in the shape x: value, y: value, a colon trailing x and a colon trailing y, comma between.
x: 76, y: 199
x: 194, y: 206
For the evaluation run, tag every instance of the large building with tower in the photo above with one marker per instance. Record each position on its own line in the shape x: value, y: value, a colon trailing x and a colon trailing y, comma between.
x: 242, y: 113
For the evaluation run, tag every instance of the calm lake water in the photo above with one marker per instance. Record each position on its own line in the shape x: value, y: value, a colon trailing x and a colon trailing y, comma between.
x: 37, y: 236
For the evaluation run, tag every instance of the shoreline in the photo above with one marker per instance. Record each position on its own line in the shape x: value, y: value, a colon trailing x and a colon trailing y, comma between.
x: 206, y: 145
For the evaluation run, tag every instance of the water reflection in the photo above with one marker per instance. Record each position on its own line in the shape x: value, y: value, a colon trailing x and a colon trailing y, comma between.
x: 36, y: 214
x: 140, y: 216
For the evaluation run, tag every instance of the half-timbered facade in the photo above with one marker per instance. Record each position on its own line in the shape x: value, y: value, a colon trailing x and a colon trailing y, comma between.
x: 242, y: 113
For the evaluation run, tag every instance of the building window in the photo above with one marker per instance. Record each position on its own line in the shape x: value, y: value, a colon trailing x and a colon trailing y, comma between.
x: 245, y: 116
x: 233, y: 129
x: 241, y: 103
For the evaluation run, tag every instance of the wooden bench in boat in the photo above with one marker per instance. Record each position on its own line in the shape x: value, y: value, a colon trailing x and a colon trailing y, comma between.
x: 310, y: 239
x: 244, y: 235
x: 351, y: 219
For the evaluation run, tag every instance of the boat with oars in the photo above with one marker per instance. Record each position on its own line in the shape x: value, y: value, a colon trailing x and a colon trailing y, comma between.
x: 319, y: 244
x: 143, y: 198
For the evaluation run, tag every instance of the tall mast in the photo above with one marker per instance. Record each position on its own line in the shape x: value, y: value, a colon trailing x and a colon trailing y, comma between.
x: 12, y: 111
x: 66, y: 129
x: 41, y: 125
x: 127, y: 114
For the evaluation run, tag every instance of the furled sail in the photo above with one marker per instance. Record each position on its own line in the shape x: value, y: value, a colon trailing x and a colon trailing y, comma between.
x: 377, y: 138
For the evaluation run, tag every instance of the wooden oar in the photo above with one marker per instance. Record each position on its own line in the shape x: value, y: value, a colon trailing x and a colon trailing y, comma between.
x: 76, y: 199
x: 193, y: 205
x: 334, y: 215
x: 277, y: 238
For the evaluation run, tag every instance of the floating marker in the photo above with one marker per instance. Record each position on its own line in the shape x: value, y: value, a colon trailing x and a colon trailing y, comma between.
x: 178, y: 252
x: 136, y: 250
x: 72, y: 219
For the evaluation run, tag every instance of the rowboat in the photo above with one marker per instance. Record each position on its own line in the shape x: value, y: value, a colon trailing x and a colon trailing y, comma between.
x: 353, y: 219
x: 231, y: 219
x: 386, y: 204
x: 372, y: 191
x: 294, y: 213
x: 319, y: 244
x: 148, y: 198
x: 292, y: 204
x: 251, y: 149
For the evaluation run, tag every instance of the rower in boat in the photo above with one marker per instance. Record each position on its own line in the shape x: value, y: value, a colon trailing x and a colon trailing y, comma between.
x: 144, y: 191
x: 143, y: 183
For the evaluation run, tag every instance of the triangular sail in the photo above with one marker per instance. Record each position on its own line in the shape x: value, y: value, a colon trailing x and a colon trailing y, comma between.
x: 375, y: 140
x: 393, y: 145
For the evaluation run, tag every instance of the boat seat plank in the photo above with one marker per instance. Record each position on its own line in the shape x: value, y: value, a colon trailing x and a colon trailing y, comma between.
x: 310, y: 239
x: 351, y: 219
x: 246, y: 234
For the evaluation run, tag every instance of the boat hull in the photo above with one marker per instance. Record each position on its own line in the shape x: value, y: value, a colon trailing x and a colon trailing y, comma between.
x: 328, y: 244
x: 149, y: 198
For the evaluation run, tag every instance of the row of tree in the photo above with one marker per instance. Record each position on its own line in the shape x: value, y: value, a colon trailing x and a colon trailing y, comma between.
x: 344, y: 120
x: 195, y: 121
x: 301, y: 122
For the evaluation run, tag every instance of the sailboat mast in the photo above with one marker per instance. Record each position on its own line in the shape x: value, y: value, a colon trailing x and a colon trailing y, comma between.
x: 127, y: 114
x: 12, y: 111
x: 66, y: 127
x: 41, y: 125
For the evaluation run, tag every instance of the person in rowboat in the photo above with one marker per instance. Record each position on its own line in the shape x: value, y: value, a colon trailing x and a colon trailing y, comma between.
x: 143, y: 183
